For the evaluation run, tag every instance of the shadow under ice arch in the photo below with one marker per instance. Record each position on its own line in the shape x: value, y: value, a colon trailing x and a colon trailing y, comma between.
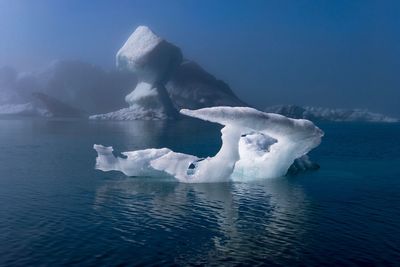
x: 255, y: 145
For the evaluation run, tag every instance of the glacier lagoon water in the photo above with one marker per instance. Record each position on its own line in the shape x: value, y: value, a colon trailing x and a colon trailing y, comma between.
x: 55, y: 209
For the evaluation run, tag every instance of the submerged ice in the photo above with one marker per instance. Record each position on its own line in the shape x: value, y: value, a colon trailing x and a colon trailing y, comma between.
x: 255, y: 145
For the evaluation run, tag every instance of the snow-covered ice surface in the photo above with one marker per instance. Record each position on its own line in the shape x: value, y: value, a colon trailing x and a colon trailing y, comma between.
x: 255, y: 145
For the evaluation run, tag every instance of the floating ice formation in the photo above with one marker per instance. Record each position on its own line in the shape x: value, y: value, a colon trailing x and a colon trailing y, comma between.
x: 152, y: 60
x: 329, y: 114
x: 166, y: 83
x: 192, y: 87
x: 255, y: 145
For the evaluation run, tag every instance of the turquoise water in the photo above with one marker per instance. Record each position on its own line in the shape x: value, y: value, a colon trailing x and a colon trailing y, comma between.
x: 55, y: 209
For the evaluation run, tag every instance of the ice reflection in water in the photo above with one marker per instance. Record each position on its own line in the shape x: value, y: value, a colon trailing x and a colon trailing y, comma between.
x: 209, y: 221
x: 57, y: 210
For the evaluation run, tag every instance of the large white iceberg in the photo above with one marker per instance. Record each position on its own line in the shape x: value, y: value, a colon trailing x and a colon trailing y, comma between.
x: 166, y: 82
x: 152, y: 60
x: 255, y: 145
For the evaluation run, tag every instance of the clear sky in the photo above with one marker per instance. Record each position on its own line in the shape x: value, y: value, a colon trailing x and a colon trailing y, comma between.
x: 323, y: 53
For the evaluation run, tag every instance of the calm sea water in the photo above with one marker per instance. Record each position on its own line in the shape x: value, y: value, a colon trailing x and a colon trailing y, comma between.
x: 55, y: 209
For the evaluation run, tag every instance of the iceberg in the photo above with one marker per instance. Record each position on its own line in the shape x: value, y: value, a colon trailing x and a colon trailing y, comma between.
x: 57, y: 108
x: 24, y: 109
x: 152, y: 60
x: 83, y: 86
x: 166, y: 82
x: 65, y: 88
x: 255, y: 145
x: 329, y: 114
x: 152, y: 82
x: 192, y: 87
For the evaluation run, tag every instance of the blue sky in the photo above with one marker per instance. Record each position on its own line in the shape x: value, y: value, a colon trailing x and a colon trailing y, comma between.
x: 324, y: 53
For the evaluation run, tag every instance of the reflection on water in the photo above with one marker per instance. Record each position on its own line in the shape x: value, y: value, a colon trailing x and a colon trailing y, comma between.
x: 55, y: 209
x: 188, y: 135
x: 251, y: 220
x: 137, y: 134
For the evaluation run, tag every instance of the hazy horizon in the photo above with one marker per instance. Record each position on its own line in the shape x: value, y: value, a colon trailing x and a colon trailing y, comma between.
x: 342, y: 54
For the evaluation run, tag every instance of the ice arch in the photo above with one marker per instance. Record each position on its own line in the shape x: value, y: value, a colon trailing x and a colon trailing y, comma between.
x: 255, y: 145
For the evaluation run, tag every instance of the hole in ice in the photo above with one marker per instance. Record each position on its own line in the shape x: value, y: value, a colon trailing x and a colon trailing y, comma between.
x: 257, y: 141
x: 119, y: 155
x: 191, y: 166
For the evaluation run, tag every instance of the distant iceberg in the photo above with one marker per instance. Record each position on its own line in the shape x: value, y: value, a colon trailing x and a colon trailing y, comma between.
x: 191, y: 87
x: 83, y: 89
x: 24, y: 109
x: 166, y: 82
x: 328, y: 114
x: 63, y: 89
x: 255, y: 145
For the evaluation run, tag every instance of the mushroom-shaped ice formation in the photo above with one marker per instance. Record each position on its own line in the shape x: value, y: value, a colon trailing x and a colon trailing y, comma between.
x: 150, y: 57
x: 166, y: 83
x: 255, y: 145
x: 153, y: 60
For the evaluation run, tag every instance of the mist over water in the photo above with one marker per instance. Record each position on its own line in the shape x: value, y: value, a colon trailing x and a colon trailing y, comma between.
x: 58, y: 69
x: 336, y: 54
